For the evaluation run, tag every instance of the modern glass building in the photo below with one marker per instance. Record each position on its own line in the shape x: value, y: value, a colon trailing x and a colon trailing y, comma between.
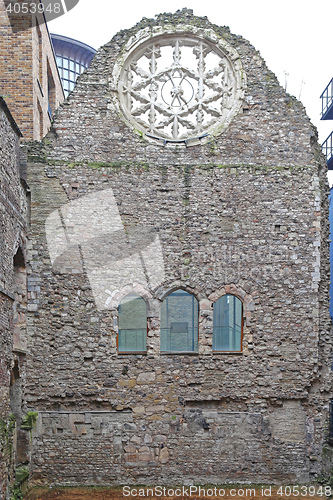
x: 73, y: 57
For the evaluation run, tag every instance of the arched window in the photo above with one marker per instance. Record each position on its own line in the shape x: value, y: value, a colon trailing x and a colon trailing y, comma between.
x: 227, y: 324
x: 132, y: 334
x: 179, y: 322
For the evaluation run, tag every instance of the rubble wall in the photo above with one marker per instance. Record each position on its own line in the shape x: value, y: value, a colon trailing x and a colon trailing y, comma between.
x: 243, y: 212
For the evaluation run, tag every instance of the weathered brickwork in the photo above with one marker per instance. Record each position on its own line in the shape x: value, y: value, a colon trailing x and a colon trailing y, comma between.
x: 242, y: 213
x: 13, y: 212
x: 29, y: 81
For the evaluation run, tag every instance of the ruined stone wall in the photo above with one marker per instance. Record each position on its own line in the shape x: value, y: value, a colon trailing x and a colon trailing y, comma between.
x: 13, y: 210
x: 244, y: 213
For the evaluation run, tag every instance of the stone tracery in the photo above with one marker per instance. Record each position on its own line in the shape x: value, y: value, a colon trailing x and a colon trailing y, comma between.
x: 177, y: 87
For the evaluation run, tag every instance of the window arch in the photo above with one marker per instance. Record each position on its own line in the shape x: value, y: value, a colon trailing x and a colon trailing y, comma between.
x: 228, y: 324
x: 132, y: 332
x: 179, y: 322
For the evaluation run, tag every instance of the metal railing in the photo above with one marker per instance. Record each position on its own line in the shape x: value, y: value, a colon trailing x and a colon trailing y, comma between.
x: 327, y: 98
x: 327, y: 147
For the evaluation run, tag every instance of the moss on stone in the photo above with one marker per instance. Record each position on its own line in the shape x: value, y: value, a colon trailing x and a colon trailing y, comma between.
x: 22, y: 473
x: 6, y: 434
x: 29, y: 420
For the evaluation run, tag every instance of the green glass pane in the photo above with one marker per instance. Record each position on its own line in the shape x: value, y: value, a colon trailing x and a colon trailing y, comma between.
x: 227, y: 324
x: 132, y: 335
x: 179, y: 322
x: 132, y: 340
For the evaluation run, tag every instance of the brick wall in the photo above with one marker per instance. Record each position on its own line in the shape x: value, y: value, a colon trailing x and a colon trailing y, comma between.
x: 25, y: 56
x: 244, y: 213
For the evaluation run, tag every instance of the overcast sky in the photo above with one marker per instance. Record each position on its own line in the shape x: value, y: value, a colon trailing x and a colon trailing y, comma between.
x: 293, y: 36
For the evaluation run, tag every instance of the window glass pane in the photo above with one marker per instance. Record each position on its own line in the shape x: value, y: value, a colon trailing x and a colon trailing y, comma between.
x: 71, y: 65
x: 227, y: 324
x: 132, y: 335
x: 179, y: 322
x: 65, y: 63
x: 59, y: 61
x: 65, y: 73
x: 77, y: 68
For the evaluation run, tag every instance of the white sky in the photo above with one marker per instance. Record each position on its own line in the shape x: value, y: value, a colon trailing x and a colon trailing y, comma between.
x: 293, y: 36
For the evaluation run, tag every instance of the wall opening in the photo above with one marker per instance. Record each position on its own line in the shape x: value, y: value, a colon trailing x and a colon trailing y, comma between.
x: 20, y: 302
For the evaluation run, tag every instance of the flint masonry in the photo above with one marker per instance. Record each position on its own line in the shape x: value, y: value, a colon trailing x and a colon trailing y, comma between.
x: 13, y: 292
x: 178, y: 326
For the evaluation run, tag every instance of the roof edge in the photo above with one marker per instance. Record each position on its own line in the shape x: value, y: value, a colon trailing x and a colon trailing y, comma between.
x: 12, y: 121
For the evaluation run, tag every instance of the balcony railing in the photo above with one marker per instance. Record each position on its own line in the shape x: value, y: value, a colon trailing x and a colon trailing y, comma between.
x: 327, y: 148
x: 327, y: 102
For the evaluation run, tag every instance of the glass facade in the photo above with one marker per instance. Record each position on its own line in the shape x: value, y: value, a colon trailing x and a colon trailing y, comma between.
x: 69, y: 71
x: 179, y: 322
x: 73, y: 58
x: 227, y: 324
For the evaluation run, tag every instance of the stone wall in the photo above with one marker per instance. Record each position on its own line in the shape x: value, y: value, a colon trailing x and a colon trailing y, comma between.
x: 243, y: 212
x: 204, y: 442
x: 13, y: 212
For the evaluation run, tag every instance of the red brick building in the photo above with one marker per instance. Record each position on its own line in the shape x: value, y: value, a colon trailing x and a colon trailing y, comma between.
x: 29, y: 77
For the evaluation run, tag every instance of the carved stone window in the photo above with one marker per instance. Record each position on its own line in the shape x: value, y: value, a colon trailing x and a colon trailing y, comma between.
x: 180, y: 86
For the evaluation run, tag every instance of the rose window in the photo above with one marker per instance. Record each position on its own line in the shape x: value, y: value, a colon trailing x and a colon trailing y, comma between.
x: 177, y: 88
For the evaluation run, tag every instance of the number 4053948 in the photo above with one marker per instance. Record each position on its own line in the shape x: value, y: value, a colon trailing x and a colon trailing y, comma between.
x: 304, y: 491
x: 15, y: 7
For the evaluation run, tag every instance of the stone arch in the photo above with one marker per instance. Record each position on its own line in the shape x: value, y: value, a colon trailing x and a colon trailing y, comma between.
x: 134, y: 288
x: 246, y: 298
x: 19, y: 246
x: 164, y: 291
x: 19, y: 259
x: 248, y: 312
